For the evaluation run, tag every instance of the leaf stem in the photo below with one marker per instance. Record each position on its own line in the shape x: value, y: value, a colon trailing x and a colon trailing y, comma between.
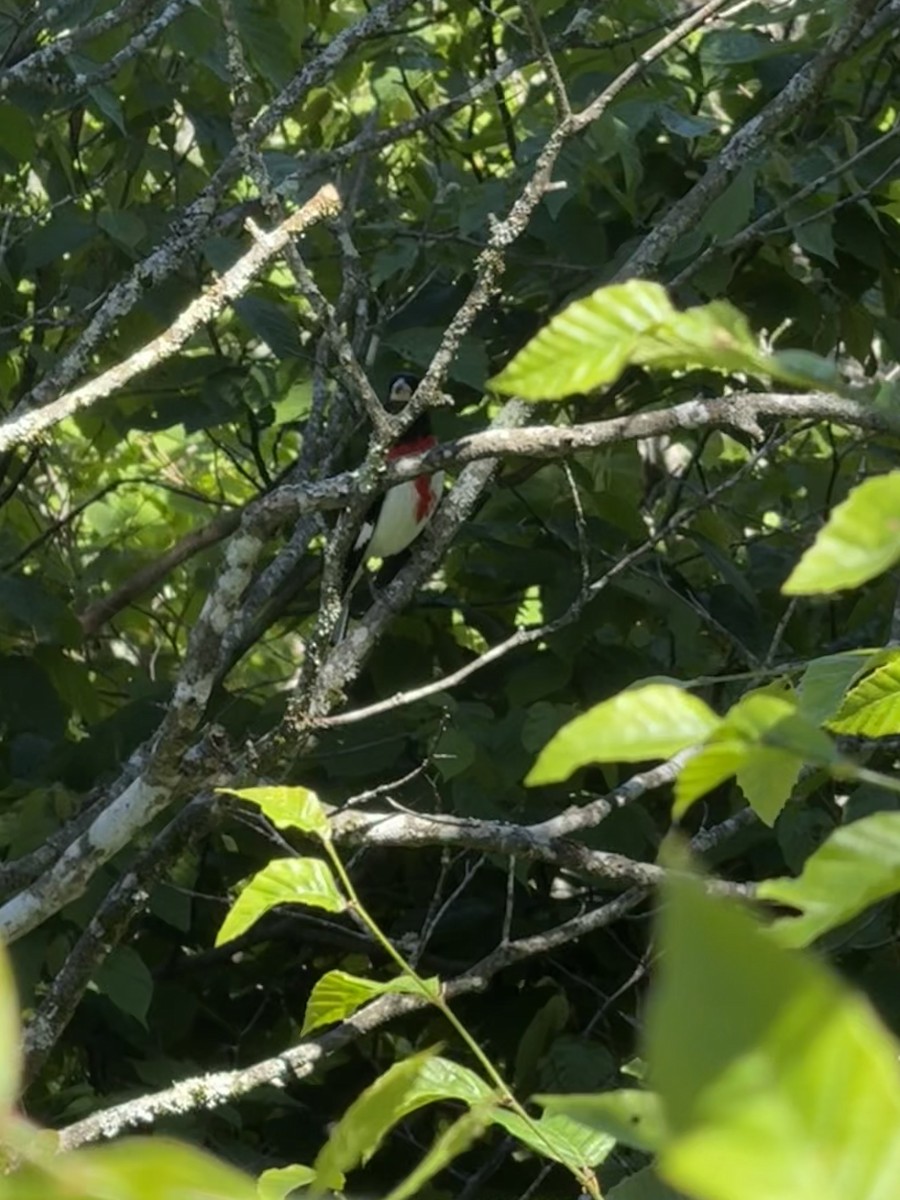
x: 584, y: 1175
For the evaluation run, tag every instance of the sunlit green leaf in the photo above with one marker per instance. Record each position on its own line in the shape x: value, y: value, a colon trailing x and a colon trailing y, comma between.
x: 825, y: 680
x: 10, y: 1059
x: 145, y: 1169
x: 283, y: 881
x: 588, y: 344
x: 629, y: 1115
x: 872, y: 708
x: 289, y: 808
x: 557, y: 1136
x: 338, y: 994
x: 279, y: 1182
x: 450, y: 1144
x: 788, y: 1088
x: 767, y: 777
x: 591, y: 342
x: 655, y: 721
x: 860, y: 540
x: 858, y: 865
x: 363, y: 1127
x: 705, y: 770
x: 764, y: 740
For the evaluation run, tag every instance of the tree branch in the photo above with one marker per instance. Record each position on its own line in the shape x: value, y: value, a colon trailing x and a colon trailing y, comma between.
x: 741, y: 411
x: 25, y: 424
x: 491, y: 262
x: 750, y: 140
x: 530, y: 842
x: 107, y: 927
x: 190, y: 225
x: 213, y: 1090
x: 35, y: 68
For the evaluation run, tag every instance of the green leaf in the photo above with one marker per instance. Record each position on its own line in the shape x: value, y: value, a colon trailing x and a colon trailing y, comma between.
x: 575, y: 1063
x: 124, y: 978
x: 436, y: 1079
x: 731, y: 211
x: 337, y: 994
x: 10, y: 1040
x: 705, y: 770
x: 817, y: 236
x: 643, y: 1185
x: 872, y: 708
x: 629, y: 1115
x: 588, y: 344
x: 723, y: 46
x: 145, y: 1168
x: 105, y: 99
x: 26, y: 602
x: 557, y: 1136
x: 271, y: 324
x: 288, y: 808
x: 284, y: 881
x: 443, y: 1079
x: 591, y: 342
x: 765, y: 741
x: 804, y: 369
x: 65, y: 233
x: 279, y: 1182
x: 418, y: 346
x: 123, y: 226
x: 767, y: 778
x: 858, y: 865
x: 16, y: 133
x: 772, y: 719
x: 776, y: 1080
x: 825, y: 680
x: 454, y: 1141
x: 266, y: 42
x: 655, y: 721
x: 860, y: 540
x: 363, y: 1127
x: 548, y: 1021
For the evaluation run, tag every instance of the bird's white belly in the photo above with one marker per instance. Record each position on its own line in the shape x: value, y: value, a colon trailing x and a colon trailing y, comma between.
x: 397, y: 524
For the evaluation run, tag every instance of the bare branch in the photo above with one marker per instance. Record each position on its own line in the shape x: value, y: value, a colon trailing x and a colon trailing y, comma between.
x: 26, y: 424
x: 212, y: 1090
x: 107, y: 927
x: 756, y: 228
x: 531, y: 842
x: 344, y: 663
x: 545, y: 54
x: 751, y: 139
x: 35, y: 68
x: 530, y: 635
x: 491, y: 263
x: 190, y: 225
x: 741, y: 411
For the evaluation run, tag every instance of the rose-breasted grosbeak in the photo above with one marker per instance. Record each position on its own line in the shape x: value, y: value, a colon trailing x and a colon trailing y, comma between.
x: 398, y: 516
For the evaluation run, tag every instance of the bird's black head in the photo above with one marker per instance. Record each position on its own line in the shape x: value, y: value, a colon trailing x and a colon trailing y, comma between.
x: 400, y: 390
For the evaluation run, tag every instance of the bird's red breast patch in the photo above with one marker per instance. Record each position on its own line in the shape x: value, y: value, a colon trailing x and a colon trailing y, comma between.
x: 425, y: 493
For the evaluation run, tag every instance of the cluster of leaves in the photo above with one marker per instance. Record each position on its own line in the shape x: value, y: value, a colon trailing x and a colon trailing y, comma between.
x: 99, y: 155
x: 791, y: 1089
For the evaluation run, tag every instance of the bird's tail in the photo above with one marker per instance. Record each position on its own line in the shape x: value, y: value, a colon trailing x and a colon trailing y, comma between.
x: 340, y: 630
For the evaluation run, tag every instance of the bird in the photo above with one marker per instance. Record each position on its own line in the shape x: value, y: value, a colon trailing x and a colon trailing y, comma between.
x: 397, y: 517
